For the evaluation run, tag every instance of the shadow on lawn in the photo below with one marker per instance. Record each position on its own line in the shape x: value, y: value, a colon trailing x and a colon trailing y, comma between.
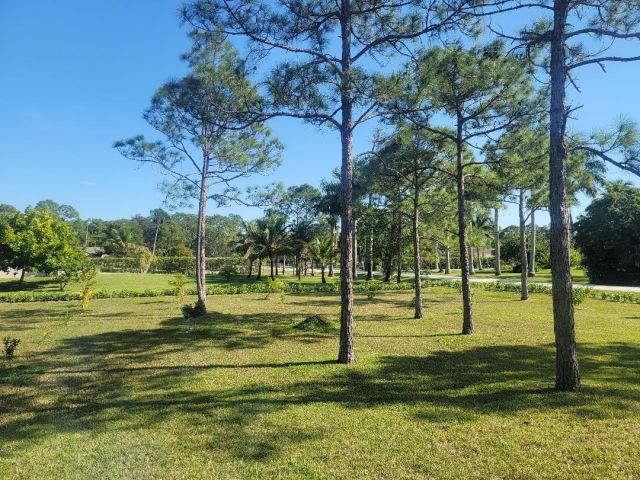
x: 121, y: 380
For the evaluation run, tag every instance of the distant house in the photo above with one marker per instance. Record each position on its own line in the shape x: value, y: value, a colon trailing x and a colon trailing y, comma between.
x: 95, y: 251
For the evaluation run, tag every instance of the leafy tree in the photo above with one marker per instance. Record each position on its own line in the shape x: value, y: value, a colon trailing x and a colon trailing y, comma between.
x: 608, y: 236
x: 64, y: 212
x: 38, y: 241
x: 206, y: 143
x: 7, y: 210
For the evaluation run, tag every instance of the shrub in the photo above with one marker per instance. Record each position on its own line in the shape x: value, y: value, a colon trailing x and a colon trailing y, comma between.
x: 87, y: 278
x: 579, y: 295
x: 193, y: 311
x: 10, y: 345
x: 179, y: 282
x: 227, y: 272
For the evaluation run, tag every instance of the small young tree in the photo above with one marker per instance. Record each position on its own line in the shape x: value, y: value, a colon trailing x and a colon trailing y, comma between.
x: 411, y: 160
x: 206, y: 144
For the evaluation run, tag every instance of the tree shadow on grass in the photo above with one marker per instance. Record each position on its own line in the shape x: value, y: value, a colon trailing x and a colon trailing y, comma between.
x: 123, y: 380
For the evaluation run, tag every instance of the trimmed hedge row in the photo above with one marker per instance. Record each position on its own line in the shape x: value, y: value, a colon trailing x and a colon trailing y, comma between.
x: 499, y: 286
x: 184, y: 265
x: 258, y: 287
x: 309, y: 288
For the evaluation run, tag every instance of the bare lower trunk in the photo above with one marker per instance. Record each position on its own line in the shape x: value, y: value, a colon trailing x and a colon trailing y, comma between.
x: 399, y: 251
x: 324, y: 280
x: 347, y: 352
x: 447, y: 266
x: 467, y: 316
x: 370, y: 255
x: 496, y: 241
x: 333, y: 247
x: 259, y: 277
x: 567, y: 370
x: 155, y: 239
x: 355, y: 249
x: 416, y: 258
x: 201, y: 260
x: 524, y: 281
x: 22, y: 273
x: 532, y: 254
x: 250, y: 268
x: 472, y: 268
x: 272, y: 275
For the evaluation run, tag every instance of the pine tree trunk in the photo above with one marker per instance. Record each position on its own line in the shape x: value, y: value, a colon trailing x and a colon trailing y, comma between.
x: 370, y: 255
x: 496, y: 242
x: 201, y: 260
x: 399, y: 251
x: 447, y: 266
x: 347, y: 353
x: 567, y: 369
x: 355, y: 249
x: 524, y: 281
x: 472, y: 268
x: 532, y: 254
x: 467, y: 316
x: 416, y: 257
x: 333, y: 247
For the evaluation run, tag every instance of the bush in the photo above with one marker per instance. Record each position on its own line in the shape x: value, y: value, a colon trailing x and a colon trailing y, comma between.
x: 579, y: 295
x: 87, y: 278
x: 179, y: 282
x: 227, y: 272
x: 193, y: 311
x: 10, y: 345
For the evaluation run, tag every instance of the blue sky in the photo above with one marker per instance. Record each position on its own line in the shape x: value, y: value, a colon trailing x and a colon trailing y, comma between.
x: 77, y: 75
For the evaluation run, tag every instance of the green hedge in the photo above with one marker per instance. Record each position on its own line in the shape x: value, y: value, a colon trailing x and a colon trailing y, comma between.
x: 184, y: 265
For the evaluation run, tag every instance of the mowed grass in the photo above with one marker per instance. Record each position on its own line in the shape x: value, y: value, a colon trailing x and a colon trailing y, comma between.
x: 132, y: 390
x: 137, y: 281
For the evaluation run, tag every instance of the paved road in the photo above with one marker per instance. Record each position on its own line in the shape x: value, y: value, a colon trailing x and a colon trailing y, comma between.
x: 609, y: 288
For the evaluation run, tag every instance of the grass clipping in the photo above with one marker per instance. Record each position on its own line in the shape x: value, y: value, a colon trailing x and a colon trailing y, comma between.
x: 315, y: 323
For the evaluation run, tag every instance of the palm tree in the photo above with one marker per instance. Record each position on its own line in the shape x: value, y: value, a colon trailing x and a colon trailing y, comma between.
x: 269, y: 238
x: 301, y: 238
x: 244, y: 245
x: 323, y: 251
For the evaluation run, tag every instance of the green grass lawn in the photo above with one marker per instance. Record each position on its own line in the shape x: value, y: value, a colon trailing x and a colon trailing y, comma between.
x: 544, y: 275
x: 132, y: 390
x: 137, y: 281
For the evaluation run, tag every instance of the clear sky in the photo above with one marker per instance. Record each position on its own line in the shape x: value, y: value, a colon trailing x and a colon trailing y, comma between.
x: 76, y: 75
